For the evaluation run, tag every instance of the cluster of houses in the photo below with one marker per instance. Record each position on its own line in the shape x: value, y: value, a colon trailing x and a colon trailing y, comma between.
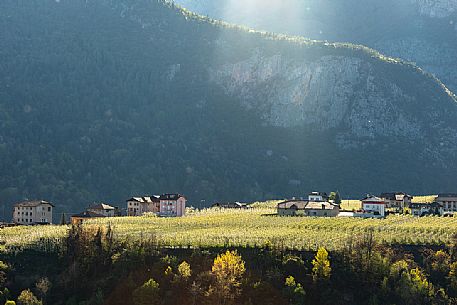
x: 318, y: 204
x: 38, y: 212
x: 165, y: 205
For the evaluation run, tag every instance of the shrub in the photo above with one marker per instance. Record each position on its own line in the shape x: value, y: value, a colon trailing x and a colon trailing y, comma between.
x: 147, y: 294
x: 28, y: 298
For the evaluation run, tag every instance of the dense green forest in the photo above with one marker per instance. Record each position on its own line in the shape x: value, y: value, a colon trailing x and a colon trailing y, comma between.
x: 102, y: 100
x: 93, y: 269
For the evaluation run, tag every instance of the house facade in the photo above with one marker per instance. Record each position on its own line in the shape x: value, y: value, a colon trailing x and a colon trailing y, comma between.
x: 172, y: 205
x: 103, y: 209
x: 397, y: 200
x: 374, y: 205
x: 321, y: 209
x: 33, y: 212
x: 448, y: 201
x: 167, y: 205
x: 423, y: 209
x: 137, y: 206
x: 307, y: 208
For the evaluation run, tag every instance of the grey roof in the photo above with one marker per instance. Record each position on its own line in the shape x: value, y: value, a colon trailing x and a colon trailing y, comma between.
x: 156, y: 198
x: 32, y: 203
x: 145, y: 199
x: 320, y: 205
x: 371, y: 198
x: 293, y: 204
x: 230, y: 205
x: 170, y: 196
x: 395, y: 195
x: 418, y: 205
x: 447, y: 195
x: 101, y: 206
x: 88, y: 214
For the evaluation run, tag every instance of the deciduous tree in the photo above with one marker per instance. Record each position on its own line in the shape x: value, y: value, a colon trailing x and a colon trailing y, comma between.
x: 228, y: 270
x: 321, y: 265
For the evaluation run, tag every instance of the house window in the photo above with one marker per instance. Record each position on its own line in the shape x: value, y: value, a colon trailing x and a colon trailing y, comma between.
x: 49, y: 209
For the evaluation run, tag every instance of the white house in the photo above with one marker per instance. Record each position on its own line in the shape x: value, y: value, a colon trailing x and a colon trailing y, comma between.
x: 374, y: 205
x: 33, y: 212
x: 448, y: 201
x: 422, y: 209
x: 317, y: 196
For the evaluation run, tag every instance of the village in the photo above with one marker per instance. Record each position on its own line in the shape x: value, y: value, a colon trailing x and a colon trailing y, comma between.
x: 316, y: 204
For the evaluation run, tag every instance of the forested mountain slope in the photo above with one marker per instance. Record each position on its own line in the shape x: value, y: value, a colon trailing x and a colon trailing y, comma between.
x: 421, y: 31
x: 101, y: 100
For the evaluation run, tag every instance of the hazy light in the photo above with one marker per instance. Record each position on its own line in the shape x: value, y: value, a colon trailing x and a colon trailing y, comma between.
x: 266, y: 15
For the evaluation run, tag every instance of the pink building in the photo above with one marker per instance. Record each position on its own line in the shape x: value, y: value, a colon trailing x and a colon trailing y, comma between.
x: 167, y: 205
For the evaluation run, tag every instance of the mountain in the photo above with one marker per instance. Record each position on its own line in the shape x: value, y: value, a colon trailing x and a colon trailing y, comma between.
x: 420, y: 31
x: 102, y: 100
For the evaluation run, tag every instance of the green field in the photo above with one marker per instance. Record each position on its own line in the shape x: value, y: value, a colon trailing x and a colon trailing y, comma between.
x: 256, y: 227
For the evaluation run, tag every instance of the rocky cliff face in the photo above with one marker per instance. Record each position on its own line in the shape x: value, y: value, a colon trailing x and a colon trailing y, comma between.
x: 420, y: 31
x: 436, y: 8
x: 333, y: 92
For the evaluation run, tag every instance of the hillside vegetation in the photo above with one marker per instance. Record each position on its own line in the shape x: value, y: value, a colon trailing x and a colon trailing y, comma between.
x: 102, y: 100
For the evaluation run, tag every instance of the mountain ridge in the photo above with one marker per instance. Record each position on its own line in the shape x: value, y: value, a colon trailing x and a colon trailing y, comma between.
x: 424, y: 32
x: 110, y: 99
